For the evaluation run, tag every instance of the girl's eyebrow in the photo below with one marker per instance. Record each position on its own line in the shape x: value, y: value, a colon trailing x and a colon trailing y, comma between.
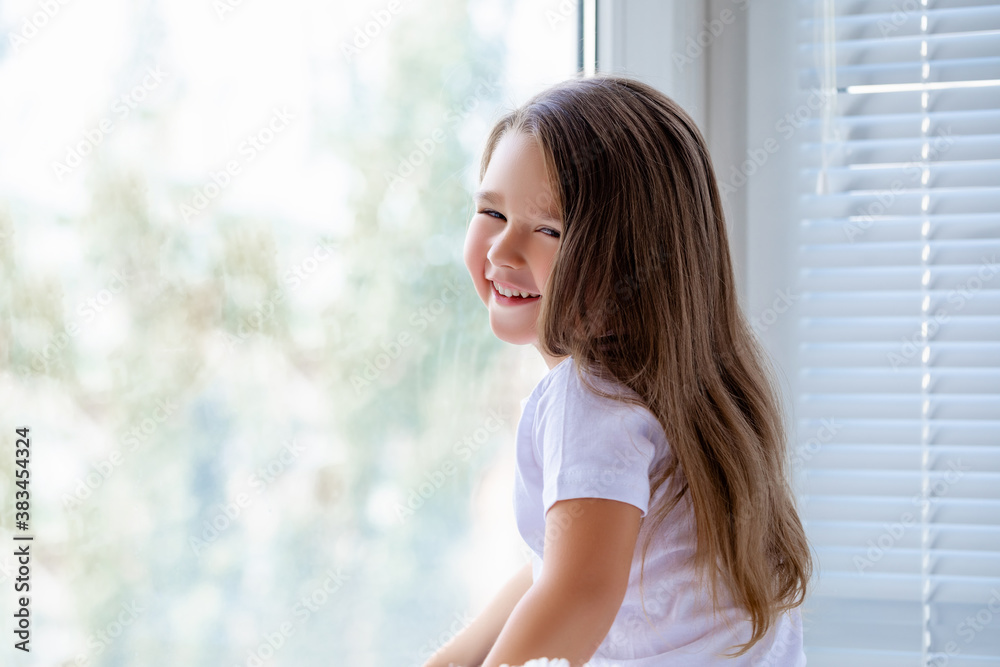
x: 496, y: 199
x: 489, y: 196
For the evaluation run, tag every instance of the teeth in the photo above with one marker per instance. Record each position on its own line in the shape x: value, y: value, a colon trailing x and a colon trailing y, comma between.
x: 507, y: 292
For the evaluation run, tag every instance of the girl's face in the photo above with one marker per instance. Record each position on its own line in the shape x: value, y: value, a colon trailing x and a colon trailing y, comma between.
x: 513, y: 237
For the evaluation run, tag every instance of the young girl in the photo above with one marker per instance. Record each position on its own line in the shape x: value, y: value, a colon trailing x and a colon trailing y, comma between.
x: 651, y: 459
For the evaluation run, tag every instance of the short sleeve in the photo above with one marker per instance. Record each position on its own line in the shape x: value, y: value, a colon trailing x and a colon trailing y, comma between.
x: 593, y: 447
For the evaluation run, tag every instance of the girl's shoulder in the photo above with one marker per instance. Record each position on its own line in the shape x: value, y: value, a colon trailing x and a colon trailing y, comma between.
x: 566, y: 391
x: 570, y: 380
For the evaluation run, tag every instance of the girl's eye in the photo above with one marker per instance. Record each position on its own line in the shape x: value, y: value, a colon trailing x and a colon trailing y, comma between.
x: 546, y: 230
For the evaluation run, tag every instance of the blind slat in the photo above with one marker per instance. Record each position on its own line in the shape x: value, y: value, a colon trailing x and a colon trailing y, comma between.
x: 896, y: 459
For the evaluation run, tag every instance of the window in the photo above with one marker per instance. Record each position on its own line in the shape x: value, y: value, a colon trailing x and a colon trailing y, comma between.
x: 234, y: 314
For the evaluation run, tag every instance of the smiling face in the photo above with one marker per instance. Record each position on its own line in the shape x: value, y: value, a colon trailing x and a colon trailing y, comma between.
x: 513, y: 237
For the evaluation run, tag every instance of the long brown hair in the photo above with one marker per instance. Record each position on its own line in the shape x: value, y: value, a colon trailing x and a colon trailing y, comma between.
x: 642, y: 292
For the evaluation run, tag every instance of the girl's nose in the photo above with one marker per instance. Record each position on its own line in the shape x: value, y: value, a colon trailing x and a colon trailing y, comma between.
x: 506, y: 250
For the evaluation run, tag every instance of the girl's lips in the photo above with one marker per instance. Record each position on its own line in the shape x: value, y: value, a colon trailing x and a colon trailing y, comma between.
x: 511, y: 300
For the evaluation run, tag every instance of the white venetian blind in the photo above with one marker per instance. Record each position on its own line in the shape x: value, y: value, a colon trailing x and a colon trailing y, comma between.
x: 898, y: 386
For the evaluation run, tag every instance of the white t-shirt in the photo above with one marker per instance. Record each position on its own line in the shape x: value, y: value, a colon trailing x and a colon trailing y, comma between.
x: 572, y: 443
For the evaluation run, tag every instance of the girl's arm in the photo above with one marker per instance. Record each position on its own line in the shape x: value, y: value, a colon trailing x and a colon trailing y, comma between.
x: 567, y: 612
x: 469, y: 647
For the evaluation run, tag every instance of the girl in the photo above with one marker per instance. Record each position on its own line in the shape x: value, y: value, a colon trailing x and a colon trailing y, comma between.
x: 651, y: 463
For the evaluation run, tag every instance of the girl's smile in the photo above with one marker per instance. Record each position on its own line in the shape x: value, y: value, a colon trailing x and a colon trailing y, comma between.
x: 511, y: 295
